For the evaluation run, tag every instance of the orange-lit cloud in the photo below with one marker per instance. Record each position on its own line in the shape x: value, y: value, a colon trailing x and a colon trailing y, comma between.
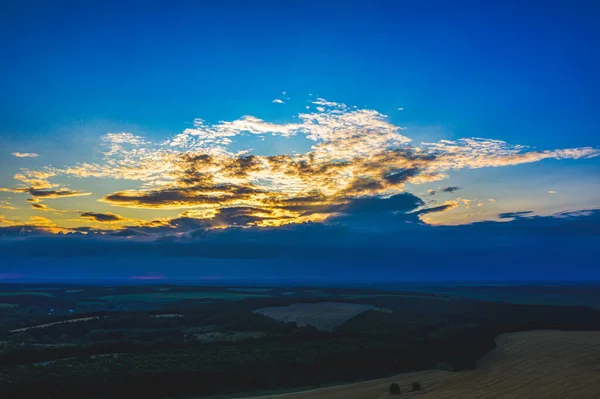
x: 355, y: 153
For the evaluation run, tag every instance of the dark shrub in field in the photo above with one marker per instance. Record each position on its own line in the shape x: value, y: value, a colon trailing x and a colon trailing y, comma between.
x: 416, y: 386
x: 394, y: 389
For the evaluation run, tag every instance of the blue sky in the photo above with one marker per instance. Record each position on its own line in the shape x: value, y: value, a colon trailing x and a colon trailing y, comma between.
x: 97, y: 97
x: 519, y: 71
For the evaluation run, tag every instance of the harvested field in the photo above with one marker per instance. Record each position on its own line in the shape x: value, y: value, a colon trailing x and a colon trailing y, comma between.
x: 324, y: 316
x: 526, y: 365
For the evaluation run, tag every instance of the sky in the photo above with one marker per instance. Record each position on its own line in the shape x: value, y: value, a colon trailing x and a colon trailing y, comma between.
x: 334, y: 140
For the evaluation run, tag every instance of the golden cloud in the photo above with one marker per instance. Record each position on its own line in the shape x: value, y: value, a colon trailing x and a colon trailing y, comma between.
x: 356, y: 153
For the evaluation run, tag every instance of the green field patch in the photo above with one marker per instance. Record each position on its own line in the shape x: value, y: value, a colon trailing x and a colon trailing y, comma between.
x: 26, y: 293
x: 180, y: 296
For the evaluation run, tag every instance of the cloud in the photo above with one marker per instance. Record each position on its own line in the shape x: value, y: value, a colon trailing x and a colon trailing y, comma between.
x: 278, y: 101
x: 49, y: 194
x: 313, y: 249
x: 34, y: 226
x: 103, y: 217
x: 355, y: 156
x: 511, y: 215
x: 474, y: 153
x: 322, y: 101
x: 25, y: 154
x: 6, y: 205
x: 38, y: 179
x: 175, y: 197
x: 450, y: 189
x: 43, y: 207
x: 551, y: 192
x: 124, y: 138
x: 448, y: 205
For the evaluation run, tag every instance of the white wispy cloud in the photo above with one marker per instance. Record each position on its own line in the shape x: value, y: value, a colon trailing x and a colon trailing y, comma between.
x: 25, y: 154
x: 278, y: 101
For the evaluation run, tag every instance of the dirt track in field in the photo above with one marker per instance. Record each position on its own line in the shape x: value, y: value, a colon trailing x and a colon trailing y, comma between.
x: 526, y: 365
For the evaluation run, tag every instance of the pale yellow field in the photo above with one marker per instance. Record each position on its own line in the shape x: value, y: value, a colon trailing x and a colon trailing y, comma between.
x: 526, y: 365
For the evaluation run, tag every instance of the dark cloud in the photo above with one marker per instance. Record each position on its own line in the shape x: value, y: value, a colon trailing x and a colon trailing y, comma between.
x: 510, y: 215
x: 43, y: 193
x: 450, y: 189
x: 23, y: 231
x: 401, y: 176
x: 102, y: 217
x: 64, y: 192
x: 39, y: 206
x: 128, y: 233
x: 404, y: 203
x: 243, y: 216
x: 239, y: 167
x: 175, y: 197
x: 439, y: 208
x: 560, y: 240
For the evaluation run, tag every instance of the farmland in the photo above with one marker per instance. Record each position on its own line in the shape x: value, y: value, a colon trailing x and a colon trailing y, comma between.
x: 324, y: 316
x: 26, y: 293
x: 178, y: 296
x: 179, y: 341
x: 534, y: 364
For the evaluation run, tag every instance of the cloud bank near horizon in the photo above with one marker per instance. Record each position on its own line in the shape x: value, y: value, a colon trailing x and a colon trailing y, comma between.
x: 357, y: 156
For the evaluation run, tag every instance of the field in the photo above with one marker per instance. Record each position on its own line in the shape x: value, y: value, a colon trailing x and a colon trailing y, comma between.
x: 533, y: 364
x: 324, y: 316
x: 362, y: 296
x: 179, y: 296
x: 551, y: 294
x: 26, y: 293
x: 179, y: 341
